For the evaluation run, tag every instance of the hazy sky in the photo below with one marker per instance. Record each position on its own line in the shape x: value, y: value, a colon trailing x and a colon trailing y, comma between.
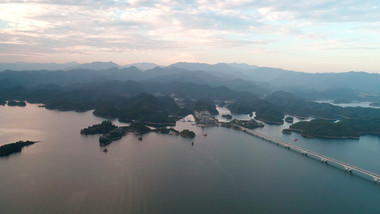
x: 311, y: 36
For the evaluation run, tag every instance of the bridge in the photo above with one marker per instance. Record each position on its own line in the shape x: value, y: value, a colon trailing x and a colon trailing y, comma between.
x: 324, y: 159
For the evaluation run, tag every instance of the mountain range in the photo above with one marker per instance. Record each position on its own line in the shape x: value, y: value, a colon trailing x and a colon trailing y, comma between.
x: 237, y: 76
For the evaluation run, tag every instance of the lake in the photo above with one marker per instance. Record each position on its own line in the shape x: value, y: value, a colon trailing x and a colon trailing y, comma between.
x: 226, y: 172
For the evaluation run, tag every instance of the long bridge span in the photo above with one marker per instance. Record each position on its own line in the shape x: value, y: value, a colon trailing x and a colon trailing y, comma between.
x: 324, y: 159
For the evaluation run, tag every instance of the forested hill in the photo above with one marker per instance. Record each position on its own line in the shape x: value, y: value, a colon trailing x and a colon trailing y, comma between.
x: 30, y: 79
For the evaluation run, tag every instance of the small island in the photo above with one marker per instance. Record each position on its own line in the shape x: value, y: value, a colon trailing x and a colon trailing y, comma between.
x: 16, y: 103
x: 375, y: 104
x: 289, y: 119
x: 110, y: 132
x: 249, y: 124
x: 103, y: 128
x: 8, y: 149
x: 187, y: 133
x: 227, y: 116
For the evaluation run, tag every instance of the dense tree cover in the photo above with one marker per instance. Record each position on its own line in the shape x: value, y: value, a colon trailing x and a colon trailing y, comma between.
x: 265, y: 111
x: 113, y: 99
x: 293, y: 105
x: 364, y: 126
x: 376, y: 104
x: 187, y: 133
x: 16, y: 103
x: 164, y: 130
x: 324, y: 129
x: 205, y: 105
x: 227, y: 116
x: 249, y: 124
x: 289, y: 119
x: 111, y: 136
x: 111, y: 132
x: 102, y: 128
x: 8, y: 149
x: 138, y: 128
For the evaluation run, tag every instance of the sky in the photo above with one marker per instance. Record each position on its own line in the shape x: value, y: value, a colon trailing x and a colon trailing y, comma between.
x: 309, y: 36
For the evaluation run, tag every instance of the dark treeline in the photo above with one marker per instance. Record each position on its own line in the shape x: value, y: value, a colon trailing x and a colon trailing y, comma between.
x: 8, y: 149
x: 152, y: 102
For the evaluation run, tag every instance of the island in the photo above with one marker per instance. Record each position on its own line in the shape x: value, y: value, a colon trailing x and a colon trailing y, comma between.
x: 110, y: 132
x: 289, y: 119
x: 187, y: 133
x: 111, y: 136
x: 102, y: 128
x: 8, y: 149
x: 16, y: 103
x: 227, y: 116
x: 163, y: 130
x: 375, y: 104
x: 249, y: 124
x: 323, y: 129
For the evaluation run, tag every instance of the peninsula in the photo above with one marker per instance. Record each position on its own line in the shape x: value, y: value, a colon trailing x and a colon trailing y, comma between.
x: 12, y: 148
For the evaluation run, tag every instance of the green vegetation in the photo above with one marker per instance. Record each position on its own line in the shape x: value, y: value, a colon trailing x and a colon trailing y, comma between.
x: 249, y: 124
x: 323, y: 129
x: 187, y: 133
x: 163, y: 130
x: 227, y: 116
x: 289, y: 119
x: 270, y: 115
x: 265, y: 111
x: 16, y: 103
x: 113, y: 135
x: 375, y: 104
x: 298, y: 107
x: 8, y: 149
x: 364, y: 126
x: 138, y: 128
x: 205, y: 105
x: 103, y: 128
x: 112, y: 132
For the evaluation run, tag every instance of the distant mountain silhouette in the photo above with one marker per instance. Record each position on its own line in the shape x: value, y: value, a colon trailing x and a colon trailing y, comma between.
x: 143, y: 66
x: 96, y: 66
x: 24, y: 66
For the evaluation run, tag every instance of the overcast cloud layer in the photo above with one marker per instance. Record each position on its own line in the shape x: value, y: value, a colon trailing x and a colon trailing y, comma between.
x: 316, y: 36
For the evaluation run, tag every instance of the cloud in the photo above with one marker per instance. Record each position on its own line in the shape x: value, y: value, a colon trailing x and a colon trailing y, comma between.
x: 95, y: 27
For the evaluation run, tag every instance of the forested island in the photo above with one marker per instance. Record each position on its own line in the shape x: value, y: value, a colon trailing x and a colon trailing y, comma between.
x: 110, y: 132
x: 289, y: 119
x: 227, y: 116
x: 12, y: 148
x: 16, y: 103
x: 187, y: 133
x: 249, y: 124
x: 323, y: 129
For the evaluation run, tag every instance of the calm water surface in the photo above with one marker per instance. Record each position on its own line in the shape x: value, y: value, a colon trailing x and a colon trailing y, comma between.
x: 225, y: 172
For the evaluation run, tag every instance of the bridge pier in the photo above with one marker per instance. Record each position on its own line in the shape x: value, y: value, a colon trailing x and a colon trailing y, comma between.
x: 376, y: 180
x: 323, y: 160
x: 348, y: 169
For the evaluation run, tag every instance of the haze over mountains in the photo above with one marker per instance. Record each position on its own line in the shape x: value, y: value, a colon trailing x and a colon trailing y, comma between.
x: 239, y: 77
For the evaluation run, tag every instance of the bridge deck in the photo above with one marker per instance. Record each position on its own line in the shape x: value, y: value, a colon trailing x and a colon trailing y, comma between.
x: 323, y: 158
